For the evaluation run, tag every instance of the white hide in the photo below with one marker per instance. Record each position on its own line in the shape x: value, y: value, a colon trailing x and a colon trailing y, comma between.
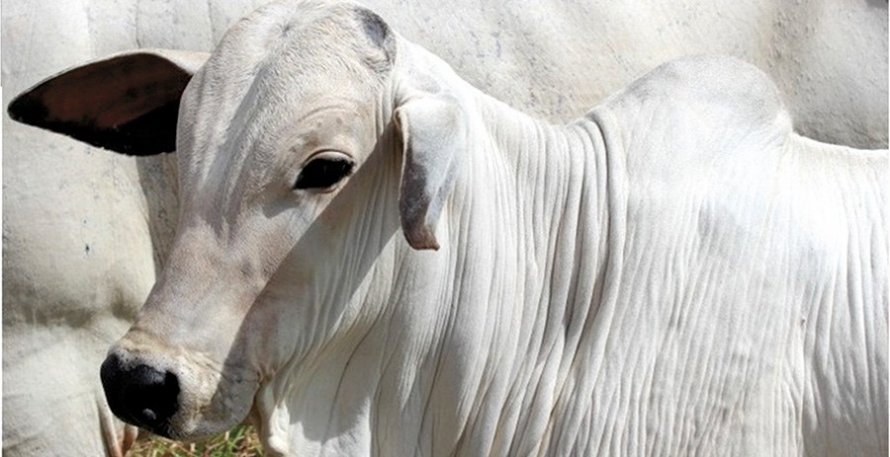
x: 674, y: 273
x: 64, y: 303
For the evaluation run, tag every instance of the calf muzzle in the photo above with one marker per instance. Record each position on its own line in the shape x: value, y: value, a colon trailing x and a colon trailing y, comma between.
x: 140, y: 394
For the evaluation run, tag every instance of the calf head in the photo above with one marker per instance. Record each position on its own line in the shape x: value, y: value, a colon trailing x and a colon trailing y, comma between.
x: 306, y: 140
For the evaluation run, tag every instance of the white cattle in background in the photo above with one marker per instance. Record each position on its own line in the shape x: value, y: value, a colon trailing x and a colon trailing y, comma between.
x: 86, y: 231
x: 374, y: 257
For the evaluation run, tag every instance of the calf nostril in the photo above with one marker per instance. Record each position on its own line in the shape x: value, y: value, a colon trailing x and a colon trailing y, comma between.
x: 153, y: 395
x: 140, y: 394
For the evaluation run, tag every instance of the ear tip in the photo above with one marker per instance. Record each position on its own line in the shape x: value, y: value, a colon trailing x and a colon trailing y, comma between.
x: 27, y: 109
x: 422, y: 239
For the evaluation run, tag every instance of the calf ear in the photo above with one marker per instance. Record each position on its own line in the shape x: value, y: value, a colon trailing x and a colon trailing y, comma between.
x: 127, y: 103
x: 434, y: 139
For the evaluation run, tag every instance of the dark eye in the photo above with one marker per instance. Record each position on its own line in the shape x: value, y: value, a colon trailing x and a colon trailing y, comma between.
x: 322, y: 173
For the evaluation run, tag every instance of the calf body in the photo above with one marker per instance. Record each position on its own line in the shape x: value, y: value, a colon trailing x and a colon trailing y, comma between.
x: 655, y: 277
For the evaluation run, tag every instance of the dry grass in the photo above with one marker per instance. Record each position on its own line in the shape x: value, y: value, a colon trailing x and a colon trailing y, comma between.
x: 240, y: 442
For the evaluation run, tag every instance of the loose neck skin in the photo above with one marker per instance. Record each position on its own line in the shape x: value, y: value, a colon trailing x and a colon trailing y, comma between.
x: 540, y: 191
x: 473, y: 343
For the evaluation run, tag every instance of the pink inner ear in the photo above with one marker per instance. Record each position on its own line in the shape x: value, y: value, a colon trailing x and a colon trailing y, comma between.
x: 111, y: 93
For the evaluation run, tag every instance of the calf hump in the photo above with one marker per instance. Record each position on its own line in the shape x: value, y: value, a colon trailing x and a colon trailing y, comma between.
x: 710, y: 83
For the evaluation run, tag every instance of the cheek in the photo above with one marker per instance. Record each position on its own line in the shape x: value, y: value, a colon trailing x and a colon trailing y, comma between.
x: 336, y: 214
x: 264, y: 339
x: 280, y: 323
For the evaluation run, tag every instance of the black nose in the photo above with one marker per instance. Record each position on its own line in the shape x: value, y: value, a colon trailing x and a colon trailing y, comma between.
x: 140, y: 394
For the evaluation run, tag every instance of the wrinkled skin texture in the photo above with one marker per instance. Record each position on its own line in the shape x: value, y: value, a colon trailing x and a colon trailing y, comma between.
x: 684, y: 259
x: 64, y: 303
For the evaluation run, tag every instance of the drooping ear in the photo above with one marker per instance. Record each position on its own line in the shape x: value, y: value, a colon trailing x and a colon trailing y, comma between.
x: 433, y: 131
x: 127, y: 103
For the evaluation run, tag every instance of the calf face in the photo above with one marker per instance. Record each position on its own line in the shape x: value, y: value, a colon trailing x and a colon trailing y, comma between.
x: 304, y: 143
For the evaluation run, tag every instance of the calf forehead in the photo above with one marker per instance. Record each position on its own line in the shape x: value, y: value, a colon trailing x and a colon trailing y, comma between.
x: 300, y: 44
x: 276, y: 67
